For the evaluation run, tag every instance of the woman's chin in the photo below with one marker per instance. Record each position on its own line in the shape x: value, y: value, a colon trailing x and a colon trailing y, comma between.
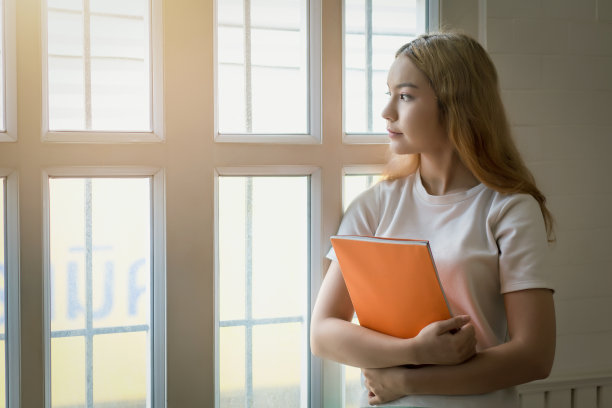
x: 396, y: 147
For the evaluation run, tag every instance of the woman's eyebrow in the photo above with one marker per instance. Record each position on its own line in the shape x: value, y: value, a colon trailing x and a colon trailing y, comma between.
x: 406, y: 85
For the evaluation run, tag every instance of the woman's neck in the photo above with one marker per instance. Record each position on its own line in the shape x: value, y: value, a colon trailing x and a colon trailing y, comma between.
x: 445, y: 173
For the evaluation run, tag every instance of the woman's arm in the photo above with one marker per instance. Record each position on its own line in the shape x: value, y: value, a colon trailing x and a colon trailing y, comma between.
x: 527, y: 356
x: 333, y: 336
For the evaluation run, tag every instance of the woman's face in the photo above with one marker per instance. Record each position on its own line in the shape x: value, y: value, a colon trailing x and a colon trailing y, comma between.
x: 412, y: 114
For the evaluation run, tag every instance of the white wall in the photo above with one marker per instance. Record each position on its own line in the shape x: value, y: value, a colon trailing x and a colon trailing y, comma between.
x: 554, y: 59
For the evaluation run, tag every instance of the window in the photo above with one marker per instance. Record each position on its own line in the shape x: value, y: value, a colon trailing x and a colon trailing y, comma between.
x: 9, y: 291
x: 267, y: 73
x: 263, y: 272
x: 2, y: 76
x: 101, y: 308
x: 8, y: 72
x: 3, y: 296
x: 99, y: 73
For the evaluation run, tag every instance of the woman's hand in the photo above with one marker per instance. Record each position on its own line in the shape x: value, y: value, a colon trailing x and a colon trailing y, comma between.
x: 446, y: 342
x: 384, y: 384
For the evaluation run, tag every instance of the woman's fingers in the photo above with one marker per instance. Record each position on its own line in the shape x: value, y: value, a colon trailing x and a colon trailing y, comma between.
x: 452, y: 324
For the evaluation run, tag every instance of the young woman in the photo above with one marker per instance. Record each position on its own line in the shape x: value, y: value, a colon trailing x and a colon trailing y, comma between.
x: 457, y: 180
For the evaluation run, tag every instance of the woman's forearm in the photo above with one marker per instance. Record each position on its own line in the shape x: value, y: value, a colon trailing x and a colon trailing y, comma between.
x: 490, y: 370
x: 347, y: 343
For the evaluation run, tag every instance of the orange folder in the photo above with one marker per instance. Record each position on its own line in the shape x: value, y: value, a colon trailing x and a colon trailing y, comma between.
x: 393, y: 283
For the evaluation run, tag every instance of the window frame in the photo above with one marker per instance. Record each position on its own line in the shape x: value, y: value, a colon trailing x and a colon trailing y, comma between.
x: 313, y: 365
x: 10, y: 71
x: 156, y: 84
x: 313, y: 136
x: 12, y: 300
x: 158, y: 369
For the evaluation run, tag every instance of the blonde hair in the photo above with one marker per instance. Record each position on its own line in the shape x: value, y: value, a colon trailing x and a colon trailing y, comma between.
x: 465, y: 82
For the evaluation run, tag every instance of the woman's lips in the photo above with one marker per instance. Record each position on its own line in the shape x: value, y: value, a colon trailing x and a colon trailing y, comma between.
x: 393, y: 134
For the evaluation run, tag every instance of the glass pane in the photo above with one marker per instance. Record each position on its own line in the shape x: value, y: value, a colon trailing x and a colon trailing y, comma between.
x: 277, y: 365
x: 263, y: 286
x: 232, y: 248
x: 68, y: 372
x: 118, y: 86
x: 262, y: 64
x: 232, y: 367
x: 133, y: 8
x: 355, y: 184
x: 2, y: 374
x: 99, y: 65
x: 352, y: 387
x: 127, y: 354
x: 374, y: 30
x: 65, y: 4
x: 66, y: 102
x: 279, y: 246
x: 3, y: 296
x: 100, y: 253
x: 2, y: 95
x: 231, y: 114
x: 67, y: 255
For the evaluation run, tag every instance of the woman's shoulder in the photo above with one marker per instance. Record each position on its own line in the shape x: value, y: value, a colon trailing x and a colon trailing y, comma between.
x: 515, y: 207
x: 396, y: 186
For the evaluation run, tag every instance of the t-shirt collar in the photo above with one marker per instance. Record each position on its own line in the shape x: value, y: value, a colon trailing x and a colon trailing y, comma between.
x: 446, y: 198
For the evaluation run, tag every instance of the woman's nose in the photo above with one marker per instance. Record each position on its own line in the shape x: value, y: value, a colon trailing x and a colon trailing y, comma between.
x: 388, y: 113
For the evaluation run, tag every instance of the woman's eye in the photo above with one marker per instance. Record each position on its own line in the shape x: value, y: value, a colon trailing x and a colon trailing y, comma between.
x: 403, y: 97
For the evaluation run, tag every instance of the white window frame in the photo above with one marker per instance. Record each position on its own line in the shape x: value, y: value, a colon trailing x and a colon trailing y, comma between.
x: 312, y: 366
x: 156, y: 50
x: 432, y: 23
x: 12, y: 310
x: 157, y: 376
x: 313, y: 22
x: 10, y: 72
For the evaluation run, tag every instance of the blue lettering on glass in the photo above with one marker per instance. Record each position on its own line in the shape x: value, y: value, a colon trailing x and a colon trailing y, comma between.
x: 74, y: 282
x: 106, y: 308
x: 74, y: 306
x: 134, y: 290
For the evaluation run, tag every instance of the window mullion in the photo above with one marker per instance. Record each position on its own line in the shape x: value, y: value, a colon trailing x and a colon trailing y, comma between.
x: 249, y: 292
x: 87, y: 63
x: 89, y: 291
x: 368, y: 64
x: 247, y: 67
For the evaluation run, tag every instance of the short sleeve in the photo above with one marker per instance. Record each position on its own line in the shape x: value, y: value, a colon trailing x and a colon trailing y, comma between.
x: 523, y: 245
x: 361, y: 217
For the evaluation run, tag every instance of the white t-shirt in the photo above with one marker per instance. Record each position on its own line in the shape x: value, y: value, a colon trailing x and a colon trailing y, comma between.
x: 484, y: 244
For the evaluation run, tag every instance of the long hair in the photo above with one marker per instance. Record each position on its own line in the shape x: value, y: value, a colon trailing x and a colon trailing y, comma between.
x: 465, y: 82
